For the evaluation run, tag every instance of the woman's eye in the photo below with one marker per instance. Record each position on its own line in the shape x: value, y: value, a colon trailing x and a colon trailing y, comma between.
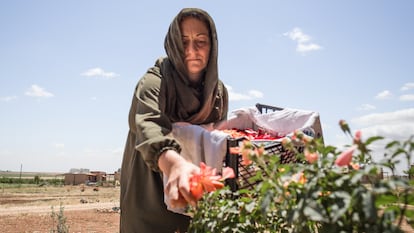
x: 195, y: 43
x: 201, y: 43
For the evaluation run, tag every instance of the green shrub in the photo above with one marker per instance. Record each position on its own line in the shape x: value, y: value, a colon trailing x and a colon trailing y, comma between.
x: 59, y: 221
x: 340, y: 191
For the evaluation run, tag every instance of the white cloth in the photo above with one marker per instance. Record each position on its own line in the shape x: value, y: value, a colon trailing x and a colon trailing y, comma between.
x: 199, y: 144
x: 279, y: 123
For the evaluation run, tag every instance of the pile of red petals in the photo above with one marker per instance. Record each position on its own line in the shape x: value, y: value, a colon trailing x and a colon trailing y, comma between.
x: 208, y: 181
x: 251, y: 134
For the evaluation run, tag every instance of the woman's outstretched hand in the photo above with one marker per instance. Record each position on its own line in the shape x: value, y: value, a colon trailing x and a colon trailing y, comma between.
x: 179, y: 171
x: 186, y: 182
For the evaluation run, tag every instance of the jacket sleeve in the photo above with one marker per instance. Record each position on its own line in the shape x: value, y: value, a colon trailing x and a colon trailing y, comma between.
x: 152, y: 125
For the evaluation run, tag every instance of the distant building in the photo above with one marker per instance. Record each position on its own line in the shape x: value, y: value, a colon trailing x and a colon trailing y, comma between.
x: 99, y: 176
x: 84, y: 177
x: 113, y: 176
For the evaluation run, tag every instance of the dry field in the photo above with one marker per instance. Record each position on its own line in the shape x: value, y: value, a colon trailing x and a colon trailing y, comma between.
x: 30, y: 208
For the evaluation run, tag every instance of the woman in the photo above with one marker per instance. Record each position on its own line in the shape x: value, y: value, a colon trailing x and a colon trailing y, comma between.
x: 182, y: 87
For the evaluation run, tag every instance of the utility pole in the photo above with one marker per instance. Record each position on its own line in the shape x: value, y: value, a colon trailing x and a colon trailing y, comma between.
x: 20, y: 176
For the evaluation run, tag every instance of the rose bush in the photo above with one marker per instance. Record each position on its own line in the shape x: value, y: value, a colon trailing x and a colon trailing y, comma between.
x: 333, y: 190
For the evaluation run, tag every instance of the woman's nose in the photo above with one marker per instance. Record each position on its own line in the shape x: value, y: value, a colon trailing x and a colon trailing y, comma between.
x: 191, y: 47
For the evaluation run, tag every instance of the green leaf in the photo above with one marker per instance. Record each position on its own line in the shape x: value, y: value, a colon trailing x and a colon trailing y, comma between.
x: 392, y: 144
x: 356, y: 178
x: 341, y: 202
x: 250, y: 206
x: 373, y: 139
x: 267, y: 199
x: 369, y: 209
x: 314, y: 213
x: 384, y: 200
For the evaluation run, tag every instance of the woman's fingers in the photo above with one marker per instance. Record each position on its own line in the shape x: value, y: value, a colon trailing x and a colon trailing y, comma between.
x: 185, y: 193
x: 178, y: 186
x: 179, y: 195
x: 172, y: 190
x: 179, y: 203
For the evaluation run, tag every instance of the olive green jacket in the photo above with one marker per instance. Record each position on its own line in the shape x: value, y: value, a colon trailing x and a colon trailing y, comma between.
x: 142, y: 204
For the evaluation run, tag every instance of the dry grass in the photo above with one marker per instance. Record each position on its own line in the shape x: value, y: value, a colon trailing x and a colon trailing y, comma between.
x: 28, y: 208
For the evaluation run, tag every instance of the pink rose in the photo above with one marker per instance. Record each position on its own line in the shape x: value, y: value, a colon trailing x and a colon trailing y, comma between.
x: 357, y: 137
x: 345, y: 158
x: 311, y: 157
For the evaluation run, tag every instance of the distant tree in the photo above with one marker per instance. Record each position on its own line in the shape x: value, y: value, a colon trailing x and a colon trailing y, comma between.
x: 36, y: 179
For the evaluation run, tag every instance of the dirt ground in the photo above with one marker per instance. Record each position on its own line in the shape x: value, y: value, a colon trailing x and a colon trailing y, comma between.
x: 29, y: 209
x: 84, y: 209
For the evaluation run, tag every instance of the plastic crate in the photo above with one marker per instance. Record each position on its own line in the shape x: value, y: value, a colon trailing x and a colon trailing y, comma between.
x: 264, y: 108
x: 244, y: 174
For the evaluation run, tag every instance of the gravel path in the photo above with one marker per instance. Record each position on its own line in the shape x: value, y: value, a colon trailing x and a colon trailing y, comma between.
x: 45, y: 209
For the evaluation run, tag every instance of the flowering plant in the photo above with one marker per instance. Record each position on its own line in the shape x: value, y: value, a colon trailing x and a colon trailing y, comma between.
x: 331, y: 191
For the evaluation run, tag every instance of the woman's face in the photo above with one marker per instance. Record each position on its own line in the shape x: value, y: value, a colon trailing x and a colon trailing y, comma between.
x: 196, y: 41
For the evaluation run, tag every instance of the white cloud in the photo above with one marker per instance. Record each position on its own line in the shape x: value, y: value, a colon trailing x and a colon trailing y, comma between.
x: 235, y: 96
x: 303, y: 48
x: 5, y: 153
x: 256, y: 94
x: 99, y: 72
x: 303, y: 40
x: 296, y: 34
x: 409, y: 97
x: 8, y: 98
x: 37, y: 91
x: 366, y: 107
x: 59, y: 145
x: 384, y: 95
x: 397, y: 125
x: 407, y: 86
x: 118, y: 151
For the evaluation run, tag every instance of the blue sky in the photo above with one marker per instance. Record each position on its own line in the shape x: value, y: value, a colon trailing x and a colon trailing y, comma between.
x: 69, y: 68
